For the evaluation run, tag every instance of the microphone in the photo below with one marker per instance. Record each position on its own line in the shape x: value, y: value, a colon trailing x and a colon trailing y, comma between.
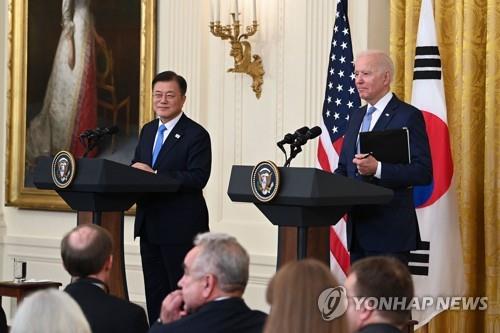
x: 99, y: 132
x: 314, y: 132
x: 90, y: 138
x: 86, y: 133
x: 290, y: 138
x: 310, y: 134
x: 109, y: 130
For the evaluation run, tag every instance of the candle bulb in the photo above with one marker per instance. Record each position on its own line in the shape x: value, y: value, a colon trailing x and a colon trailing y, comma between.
x: 254, y: 11
x: 211, y: 10
x: 236, y: 9
x: 217, y: 10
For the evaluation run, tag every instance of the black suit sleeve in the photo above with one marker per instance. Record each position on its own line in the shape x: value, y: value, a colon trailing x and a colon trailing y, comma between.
x: 156, y: 328
x: 140, y: 323
x: 345, y: 157
x: 342, y: 164
x: 138, y: 151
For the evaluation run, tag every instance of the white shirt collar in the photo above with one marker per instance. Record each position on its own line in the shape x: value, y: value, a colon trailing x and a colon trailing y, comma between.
x: 171, y: 123
x: 382, y: 103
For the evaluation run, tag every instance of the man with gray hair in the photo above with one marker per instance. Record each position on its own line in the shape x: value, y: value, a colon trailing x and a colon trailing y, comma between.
x: 389, y: 229
x: 210, y: 298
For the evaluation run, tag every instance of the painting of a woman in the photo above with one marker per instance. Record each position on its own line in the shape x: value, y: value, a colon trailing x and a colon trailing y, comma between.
x: 75, y: 65
x: 69, y: 105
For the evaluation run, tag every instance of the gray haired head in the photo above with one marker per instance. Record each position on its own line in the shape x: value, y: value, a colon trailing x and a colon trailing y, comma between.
x: 382, y: 59
x: 222, y: 256
x: 49, y: 310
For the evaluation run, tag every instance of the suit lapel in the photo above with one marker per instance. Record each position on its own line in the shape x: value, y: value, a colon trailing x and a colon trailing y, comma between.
x: 387, y: 114
x: 357, y: 119
x: 149, y: 139
x: 174, y: 136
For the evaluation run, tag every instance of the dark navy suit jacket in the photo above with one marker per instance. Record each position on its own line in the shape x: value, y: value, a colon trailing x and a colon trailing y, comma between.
x: 224, y: 316
x: 379, y: 328
x: 107, y: 313
x: 392, y: 227
x: 175, y: 218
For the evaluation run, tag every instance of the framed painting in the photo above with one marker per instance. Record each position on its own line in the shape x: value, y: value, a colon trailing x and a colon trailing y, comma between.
x: 74, y: 66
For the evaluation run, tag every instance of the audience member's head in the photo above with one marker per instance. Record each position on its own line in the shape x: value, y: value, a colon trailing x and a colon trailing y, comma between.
x: 49, y: 311
x: 375, y: 278
x: 216, y: 266
x: 86, y: 252
x: 293, y: 295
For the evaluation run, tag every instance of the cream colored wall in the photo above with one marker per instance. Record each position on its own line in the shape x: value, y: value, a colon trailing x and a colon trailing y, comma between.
x: 293, y: 40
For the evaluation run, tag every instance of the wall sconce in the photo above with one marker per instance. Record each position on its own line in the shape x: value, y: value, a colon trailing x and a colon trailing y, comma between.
x: 241, y: 51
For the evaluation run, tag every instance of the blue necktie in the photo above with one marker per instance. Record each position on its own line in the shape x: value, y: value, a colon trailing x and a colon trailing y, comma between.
x: 158, y: 144
x: 365, y: 126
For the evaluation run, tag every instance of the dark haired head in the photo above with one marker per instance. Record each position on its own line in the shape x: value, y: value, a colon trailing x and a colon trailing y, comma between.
x: 168, y: 76
x: 381, y: 277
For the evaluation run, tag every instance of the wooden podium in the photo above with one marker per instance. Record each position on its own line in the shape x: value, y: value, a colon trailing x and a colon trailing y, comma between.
x: 100, y: 193
x: 308, y: 203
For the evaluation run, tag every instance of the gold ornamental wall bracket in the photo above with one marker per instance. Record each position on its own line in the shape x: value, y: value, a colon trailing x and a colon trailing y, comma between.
x: 241, y: 50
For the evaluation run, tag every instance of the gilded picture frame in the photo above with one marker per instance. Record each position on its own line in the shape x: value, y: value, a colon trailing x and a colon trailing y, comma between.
x: 19, y: 191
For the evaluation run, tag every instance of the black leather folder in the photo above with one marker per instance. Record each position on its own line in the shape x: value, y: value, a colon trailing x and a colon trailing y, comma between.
x: 389, y: 146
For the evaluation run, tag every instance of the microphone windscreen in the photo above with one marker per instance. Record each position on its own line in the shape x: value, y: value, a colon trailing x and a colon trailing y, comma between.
x: 113, y: 130
x: 85, y: 133
x: 314, y: 132
x: 302, y: 130
x: 288, y: 138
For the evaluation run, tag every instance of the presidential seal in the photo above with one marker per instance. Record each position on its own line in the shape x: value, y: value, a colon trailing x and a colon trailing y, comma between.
x: 265, y: 181
x: 63, y: 169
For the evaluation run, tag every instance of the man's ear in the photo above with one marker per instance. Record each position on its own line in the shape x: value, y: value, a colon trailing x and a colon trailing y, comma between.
x: 210, y: 284
x: 108, y: 263
x: 366, y: 311
x: 387, y: 78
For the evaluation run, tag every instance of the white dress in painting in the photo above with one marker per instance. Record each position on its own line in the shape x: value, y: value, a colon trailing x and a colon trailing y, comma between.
x: 69, y: 106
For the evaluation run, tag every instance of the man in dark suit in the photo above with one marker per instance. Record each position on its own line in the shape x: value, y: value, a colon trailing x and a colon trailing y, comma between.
x: 86, y: 254
x: 373, y: 281
x: 215, y: 277
x: 390, y: 229
x: 175, y: 146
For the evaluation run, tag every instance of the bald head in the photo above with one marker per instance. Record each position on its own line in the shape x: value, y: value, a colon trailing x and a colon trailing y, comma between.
x: 85, y: 250
x: 80, y: 238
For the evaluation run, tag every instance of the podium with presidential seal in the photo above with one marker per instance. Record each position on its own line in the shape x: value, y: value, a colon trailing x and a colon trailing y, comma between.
x: 100, y: 191
x: 302, y: 202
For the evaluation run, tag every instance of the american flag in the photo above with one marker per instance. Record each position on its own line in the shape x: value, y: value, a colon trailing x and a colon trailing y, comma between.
x: 341, y: 98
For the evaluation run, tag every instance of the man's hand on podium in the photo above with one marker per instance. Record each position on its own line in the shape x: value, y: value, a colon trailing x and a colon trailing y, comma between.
x: 143, y: 166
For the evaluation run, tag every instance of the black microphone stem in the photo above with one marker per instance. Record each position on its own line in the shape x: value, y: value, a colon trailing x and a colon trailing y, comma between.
x: 293, y: 153
x: 90, y: 146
